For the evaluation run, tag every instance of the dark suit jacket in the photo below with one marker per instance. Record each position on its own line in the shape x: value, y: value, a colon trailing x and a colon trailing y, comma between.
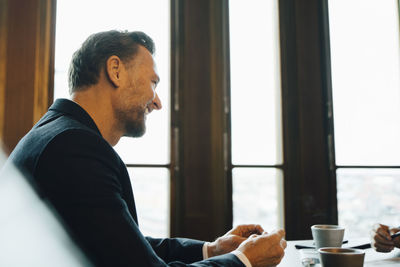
x: 88, y: 184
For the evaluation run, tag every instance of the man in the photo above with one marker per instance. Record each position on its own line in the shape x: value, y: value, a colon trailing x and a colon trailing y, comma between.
x: 69, y: 154
x: 381, y: 239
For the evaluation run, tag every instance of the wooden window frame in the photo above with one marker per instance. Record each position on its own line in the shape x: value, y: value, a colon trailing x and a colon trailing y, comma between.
x: 201, y: 188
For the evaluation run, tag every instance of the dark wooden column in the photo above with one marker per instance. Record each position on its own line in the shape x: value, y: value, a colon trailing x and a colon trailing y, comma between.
x: 310, y: 181
x: 27, y: 49
x: 201, y: 206
x: 3, y: 60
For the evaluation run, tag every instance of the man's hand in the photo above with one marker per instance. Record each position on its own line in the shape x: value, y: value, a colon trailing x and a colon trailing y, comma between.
x: 265, y: 250
x: 381, y: 240
x: 232, y: 239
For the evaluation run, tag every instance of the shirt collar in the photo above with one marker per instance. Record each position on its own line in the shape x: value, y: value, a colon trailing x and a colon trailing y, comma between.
x: 75, y: 110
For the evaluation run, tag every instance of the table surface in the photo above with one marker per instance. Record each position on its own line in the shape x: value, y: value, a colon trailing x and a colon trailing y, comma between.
x: 372, y: 258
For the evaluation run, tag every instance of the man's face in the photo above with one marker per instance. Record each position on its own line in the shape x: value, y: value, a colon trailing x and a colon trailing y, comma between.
x: 137, y: 97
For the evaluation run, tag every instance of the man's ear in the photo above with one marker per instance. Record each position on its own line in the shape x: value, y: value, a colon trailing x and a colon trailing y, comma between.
x: 114, y: 67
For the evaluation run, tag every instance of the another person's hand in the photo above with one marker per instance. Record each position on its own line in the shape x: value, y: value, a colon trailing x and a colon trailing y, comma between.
x: 232, y: 239
x: 265, y: 250
x: 381, y: 240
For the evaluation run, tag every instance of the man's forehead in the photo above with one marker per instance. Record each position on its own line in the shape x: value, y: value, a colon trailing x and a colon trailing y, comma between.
x: 143, y: 56
x: 144, y: 53
x: 148, y: 58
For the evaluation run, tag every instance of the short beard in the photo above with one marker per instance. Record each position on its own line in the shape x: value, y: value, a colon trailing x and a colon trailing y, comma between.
x: 134, y: 129
x: 133, y: 122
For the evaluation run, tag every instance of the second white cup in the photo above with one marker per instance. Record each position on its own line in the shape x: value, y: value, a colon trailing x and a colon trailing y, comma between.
x: 327, y: 235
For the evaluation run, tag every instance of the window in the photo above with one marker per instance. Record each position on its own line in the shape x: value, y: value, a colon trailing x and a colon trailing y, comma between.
x: 365, y: 104
x: 256, y: 113
x: 365, y: 56
x: 147, y: 158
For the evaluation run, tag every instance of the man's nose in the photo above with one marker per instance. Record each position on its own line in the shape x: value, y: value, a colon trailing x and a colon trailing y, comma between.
x: 156, y: 104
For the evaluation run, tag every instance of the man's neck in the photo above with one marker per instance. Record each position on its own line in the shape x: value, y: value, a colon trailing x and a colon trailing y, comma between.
x: 100, y: 110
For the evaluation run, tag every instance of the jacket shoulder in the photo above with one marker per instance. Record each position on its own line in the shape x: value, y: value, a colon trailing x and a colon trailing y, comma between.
x: 59, y: 133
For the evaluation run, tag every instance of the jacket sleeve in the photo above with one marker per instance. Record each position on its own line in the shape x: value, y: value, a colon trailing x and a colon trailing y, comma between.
x: 78, y: 172
x: 177, y: 249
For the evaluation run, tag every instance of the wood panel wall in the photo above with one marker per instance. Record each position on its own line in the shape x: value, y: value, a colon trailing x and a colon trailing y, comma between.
x: 3, y: 61
x: 27, y: 68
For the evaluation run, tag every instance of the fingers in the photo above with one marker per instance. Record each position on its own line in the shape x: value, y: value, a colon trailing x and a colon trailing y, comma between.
x: 384, y: 233
x: 278, y: 234
x: 380, y: 238
x: 383, y: 239
x: 377, y: 226
x: 394, y: 230
x: 275, y: 237
x: 396, y: 240
x: 266, y: 249
x: 384, y: 249
x: 381, y: 244
x: 253, y: 229
x: 381, y: 234
x: 258, y: 228
x: 381, y: 229
x: 246, y: 230
x: 283, y: 243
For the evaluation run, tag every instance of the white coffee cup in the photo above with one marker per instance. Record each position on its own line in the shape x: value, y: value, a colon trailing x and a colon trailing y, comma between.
x: 327, y: 235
